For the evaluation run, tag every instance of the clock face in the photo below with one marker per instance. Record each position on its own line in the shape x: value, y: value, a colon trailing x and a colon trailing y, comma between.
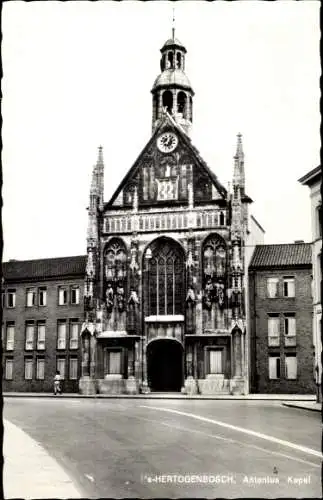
x: 167, y: 142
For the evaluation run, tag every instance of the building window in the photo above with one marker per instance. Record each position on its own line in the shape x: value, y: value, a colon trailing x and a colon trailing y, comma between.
x: 28, y: 368
x: 273, y: 330
x: 8, y: 369
x: 61, y: 335
x: 74, y: 334
x: 30, y: 333
x: 75, y: 295
x: 272, y: 287
x: 31, y: 297
x: 11, y: 297
x: 73, y: 368
x: 289, y: 324
x: 62, y: 296
x: 3, y: 299
x: 40, y: 369
x: 165, y: 278
x: 112, y: 362
x: 42, y: 297
x: 215, y: 361
x: 290, y: 329
x: 289, y: 286
x: 60, y: 365
x: 10, y: 337
x: 291, y: 366
x: 41, y: 334
x: 274, y: 367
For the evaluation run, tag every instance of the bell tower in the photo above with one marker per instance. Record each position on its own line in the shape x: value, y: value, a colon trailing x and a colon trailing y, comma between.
x: 172, y: 90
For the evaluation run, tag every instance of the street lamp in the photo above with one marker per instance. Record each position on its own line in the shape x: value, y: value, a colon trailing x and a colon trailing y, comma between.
x: 148, y: 257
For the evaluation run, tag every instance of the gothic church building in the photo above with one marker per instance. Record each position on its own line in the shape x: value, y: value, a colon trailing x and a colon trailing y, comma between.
x: 165, y: 290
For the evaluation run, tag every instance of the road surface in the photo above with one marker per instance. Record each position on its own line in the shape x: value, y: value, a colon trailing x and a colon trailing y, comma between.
x: 123, y: 448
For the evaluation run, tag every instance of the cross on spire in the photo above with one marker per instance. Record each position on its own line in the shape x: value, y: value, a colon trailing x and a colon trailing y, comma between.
x: 173, y: 25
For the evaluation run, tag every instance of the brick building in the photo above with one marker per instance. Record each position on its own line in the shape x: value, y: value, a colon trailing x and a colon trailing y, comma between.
x: 281, y: 310
x: 43, y: 310
x: 165, y: 302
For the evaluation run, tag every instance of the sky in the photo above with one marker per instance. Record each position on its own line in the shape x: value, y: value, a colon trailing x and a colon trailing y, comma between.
x: 79, y: 74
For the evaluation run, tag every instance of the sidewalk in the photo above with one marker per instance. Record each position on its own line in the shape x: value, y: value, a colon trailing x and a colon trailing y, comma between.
x: 166, y: 395
x: 29, y: 471
x: 305, y: 405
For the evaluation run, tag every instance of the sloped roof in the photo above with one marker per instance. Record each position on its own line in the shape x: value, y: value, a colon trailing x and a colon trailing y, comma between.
x: 172, y: 77
x: 282, y: 255
x: 173, y: 41
x: 19, y: 270
x: 311, y: 177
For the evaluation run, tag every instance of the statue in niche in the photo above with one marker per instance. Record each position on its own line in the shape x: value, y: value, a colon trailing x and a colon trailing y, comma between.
x: 236, y: 300
x: 120, y: 297
x: 133, y: 299
x: 86, y: 355
x: 220, y: 294
x: 109, y: 298
x: 208, y: 294
x: 190, y: 297
x: 190, y: 260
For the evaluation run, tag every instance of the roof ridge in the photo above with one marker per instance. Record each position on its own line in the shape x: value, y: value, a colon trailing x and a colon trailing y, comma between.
x: 12, y: 261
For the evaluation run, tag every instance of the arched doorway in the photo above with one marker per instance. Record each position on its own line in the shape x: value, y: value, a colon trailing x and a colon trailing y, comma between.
x: 165, y: 365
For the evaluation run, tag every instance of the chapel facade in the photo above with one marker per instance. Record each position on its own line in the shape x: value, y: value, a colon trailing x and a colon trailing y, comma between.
x: 165, y: 300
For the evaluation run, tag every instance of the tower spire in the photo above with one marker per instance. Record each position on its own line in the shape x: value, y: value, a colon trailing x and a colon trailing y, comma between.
x: 239, y: 175
x: 172, y: 89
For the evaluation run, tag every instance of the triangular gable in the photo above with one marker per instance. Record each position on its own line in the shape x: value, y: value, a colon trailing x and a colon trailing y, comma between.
x: 163, y: 177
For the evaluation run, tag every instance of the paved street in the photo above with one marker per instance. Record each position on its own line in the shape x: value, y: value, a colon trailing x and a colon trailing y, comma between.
x: 177, y: 448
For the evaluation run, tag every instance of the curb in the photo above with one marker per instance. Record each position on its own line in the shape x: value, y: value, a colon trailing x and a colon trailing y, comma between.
x: 254, y: 397
x: 303, y: 407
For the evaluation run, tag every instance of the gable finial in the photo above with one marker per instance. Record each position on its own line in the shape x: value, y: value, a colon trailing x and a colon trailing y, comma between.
x: 239, y: 152
x: 100, y: 154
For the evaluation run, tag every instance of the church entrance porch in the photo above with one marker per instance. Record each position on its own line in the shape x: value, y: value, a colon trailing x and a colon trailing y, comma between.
x: 165, y: 365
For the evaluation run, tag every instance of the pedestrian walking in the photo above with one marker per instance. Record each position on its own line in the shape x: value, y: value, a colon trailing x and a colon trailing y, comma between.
x: 57, y: 383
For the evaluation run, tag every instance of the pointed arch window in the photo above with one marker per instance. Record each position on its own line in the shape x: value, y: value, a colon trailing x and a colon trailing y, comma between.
x: 165, y: 278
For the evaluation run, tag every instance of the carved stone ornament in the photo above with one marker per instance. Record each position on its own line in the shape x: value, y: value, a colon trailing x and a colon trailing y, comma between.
x: 134, y: 266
